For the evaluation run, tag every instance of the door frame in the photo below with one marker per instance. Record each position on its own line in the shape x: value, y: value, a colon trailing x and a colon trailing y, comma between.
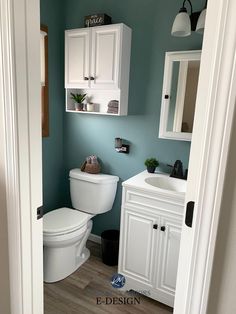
x: 21, y: 147
x: 215, y: 107
x: 217, y: 76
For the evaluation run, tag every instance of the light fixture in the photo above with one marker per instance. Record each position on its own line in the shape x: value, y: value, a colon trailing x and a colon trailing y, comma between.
x: 201, y: 22
x: 184, y: 23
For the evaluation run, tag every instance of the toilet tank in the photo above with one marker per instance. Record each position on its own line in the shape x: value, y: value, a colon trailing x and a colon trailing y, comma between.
x: 92, y: 193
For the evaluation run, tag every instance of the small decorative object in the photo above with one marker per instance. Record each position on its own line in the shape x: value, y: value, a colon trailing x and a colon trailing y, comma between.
x: 90, y: 106
x: 151, y: 164
x: 120, y: 147
x: 78, y: 98
x: 113, y: 106
x: 91, y: 165
x: 97, y: 20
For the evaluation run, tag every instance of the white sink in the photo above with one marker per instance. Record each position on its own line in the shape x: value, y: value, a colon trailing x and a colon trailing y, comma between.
x: 167, y: 183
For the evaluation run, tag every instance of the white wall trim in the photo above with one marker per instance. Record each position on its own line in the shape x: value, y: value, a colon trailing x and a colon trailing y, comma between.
x: 95, y: 238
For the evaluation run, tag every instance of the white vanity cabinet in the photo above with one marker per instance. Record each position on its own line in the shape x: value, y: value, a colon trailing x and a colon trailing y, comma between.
x: 139, y: 246
x: 97, y: 62
x: 150, y: 233
x: 169, y: 246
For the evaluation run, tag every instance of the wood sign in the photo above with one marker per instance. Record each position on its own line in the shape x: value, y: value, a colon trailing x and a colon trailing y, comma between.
x: 97, y: 20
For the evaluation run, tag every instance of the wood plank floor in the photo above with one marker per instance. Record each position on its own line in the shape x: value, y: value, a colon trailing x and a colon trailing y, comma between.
x: 78, y: 293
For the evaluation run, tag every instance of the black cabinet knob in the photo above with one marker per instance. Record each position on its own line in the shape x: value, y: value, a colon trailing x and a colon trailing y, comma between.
x: 163, y: 228
x: 86, y: 78
x: 91, y: 78
x: 155, y: 226
x: 166, y: 96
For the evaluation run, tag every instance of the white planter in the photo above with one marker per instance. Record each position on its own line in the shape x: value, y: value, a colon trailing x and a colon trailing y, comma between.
x: 79, y: 106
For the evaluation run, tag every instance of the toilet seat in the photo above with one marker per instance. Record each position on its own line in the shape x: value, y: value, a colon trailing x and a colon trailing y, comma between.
x: 63, y: 221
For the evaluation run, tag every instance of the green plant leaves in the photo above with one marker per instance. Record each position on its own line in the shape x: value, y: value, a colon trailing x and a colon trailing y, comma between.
x: 79, y: 98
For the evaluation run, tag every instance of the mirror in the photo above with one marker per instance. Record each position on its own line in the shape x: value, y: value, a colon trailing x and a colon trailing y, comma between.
x: 179, y: 94
x: 44, y: 80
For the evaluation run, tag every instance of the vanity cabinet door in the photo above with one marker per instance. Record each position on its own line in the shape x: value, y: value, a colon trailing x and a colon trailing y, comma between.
x: 138, y: 247
x: 168, y: 257
x: 105, y: 58
x: 77, y: 58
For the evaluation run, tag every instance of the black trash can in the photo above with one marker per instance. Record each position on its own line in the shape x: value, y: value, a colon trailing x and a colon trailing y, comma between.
x: 110, y: 247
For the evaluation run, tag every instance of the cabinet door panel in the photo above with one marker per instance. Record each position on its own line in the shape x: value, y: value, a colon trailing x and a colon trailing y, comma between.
x: 169, y: 255
x: 105, y: 57
x: 139, y: 238
x: 77, y: 59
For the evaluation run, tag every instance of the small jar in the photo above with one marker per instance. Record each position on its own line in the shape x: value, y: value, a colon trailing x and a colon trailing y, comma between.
x: 90, y: 106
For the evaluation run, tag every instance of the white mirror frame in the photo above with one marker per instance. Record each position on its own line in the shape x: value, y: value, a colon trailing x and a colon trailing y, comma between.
x: 170, y: 57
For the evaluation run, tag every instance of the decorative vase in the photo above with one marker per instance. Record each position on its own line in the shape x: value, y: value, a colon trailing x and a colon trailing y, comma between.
x: 151, y: 169
x: 79, y: 106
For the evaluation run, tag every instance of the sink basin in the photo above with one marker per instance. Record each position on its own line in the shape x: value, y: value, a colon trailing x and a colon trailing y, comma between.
x: 167, y: 183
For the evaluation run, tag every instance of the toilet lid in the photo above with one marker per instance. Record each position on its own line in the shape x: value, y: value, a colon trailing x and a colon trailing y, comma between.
x: 99, y: 178
x: 64, y: 220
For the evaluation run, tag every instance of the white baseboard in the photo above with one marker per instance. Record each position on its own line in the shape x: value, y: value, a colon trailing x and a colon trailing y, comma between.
x: 94, y: 238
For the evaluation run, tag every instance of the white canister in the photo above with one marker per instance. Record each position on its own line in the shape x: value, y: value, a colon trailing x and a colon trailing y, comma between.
x: 90, y: 107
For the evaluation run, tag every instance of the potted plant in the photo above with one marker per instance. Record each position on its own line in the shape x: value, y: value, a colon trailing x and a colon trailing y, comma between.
x: 151, y: 164
x: 78, y: 98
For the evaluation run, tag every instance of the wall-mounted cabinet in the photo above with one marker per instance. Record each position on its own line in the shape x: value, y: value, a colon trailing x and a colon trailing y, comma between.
x: 97, y: 62
x: 179, y: 94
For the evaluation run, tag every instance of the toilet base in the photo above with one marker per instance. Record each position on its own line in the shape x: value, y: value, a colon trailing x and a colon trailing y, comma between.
x: 67, y: 271
x: 83, y: 258
x: 60, y: 262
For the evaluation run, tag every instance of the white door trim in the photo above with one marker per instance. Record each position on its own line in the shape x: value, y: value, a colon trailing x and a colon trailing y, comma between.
x: 208, y: 158
x: 10, y: 151
x: 20, y: 92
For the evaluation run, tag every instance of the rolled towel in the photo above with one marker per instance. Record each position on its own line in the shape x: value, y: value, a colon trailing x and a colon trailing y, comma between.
x: 94, y: 159
x: 113, y: 110
x: 113, y: 104
x: 88, y: 160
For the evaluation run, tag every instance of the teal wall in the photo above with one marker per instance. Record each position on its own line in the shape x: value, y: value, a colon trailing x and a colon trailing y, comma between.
x: 52, y: 15
x: 83, y: 135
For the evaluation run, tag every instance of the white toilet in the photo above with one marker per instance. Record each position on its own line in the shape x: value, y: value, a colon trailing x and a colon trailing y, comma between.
x: 66, y: 230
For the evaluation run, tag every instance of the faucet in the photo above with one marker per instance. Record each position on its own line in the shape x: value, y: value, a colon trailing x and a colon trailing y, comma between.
x: 177, y: 170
